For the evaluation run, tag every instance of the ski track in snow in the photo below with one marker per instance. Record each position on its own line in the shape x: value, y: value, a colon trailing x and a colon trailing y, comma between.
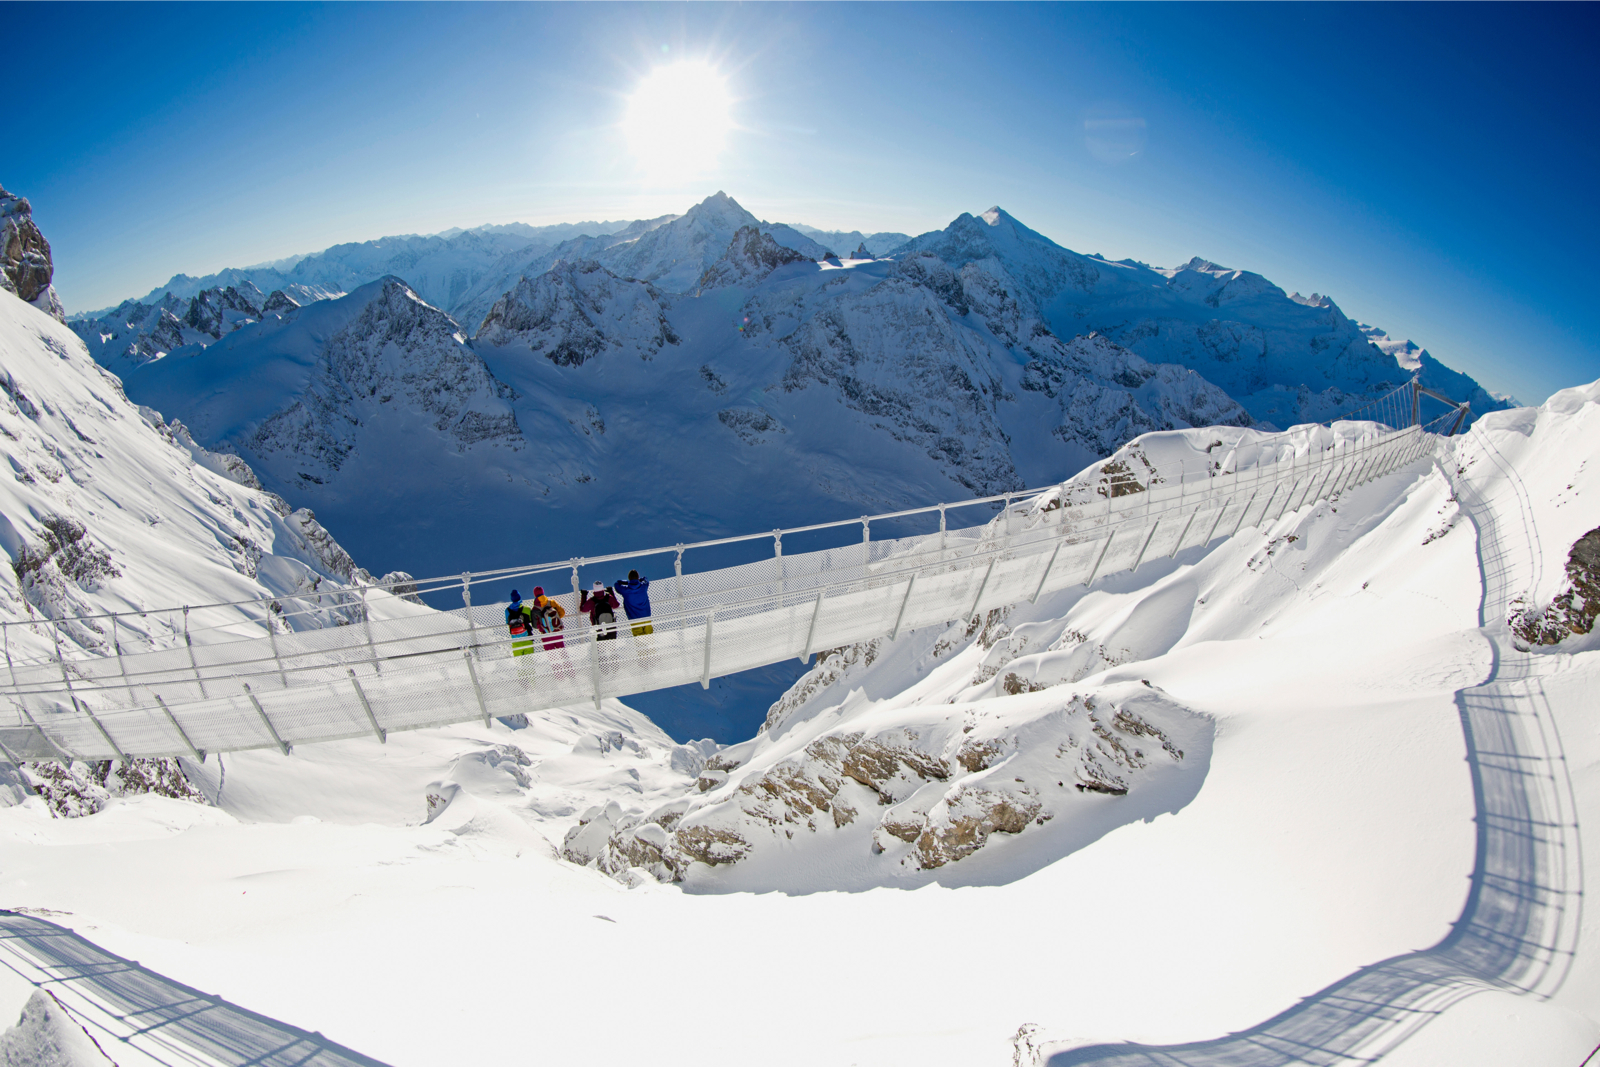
x: 1519, y: 930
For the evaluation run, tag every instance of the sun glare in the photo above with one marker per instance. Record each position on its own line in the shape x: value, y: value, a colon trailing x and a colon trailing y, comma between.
x: 677, y: 120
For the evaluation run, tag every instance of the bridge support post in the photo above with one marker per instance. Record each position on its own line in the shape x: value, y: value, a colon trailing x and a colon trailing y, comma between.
x: 272, y: 636
x: 81, y: 708
x: 812, y: 632
x: 677, y: 570
x: 197, y: 753
x: 477, y: 690
x: 1240, y: 524
x: 594, y: 663
x: 11, y: 757
x: 777, y: 554
x: 466, y: 608
x: 366, y: 623
x: 901, y: 614
x: 1195, y: 514
x: 1151, y: 536
x: 1100, y: 559
x: 122, y: 667
x: 188, y: 643
x: 1045, y: 577
x: 981, y: 587
x: 271, y: 729
x: 98, y: 725
x: 705, y: 674
x: 366, y: 706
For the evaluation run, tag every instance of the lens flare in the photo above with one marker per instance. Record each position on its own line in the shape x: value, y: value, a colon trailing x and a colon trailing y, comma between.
x: 678, y: 119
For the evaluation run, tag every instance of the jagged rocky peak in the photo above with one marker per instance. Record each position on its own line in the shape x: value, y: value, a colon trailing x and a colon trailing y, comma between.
x: 861, y: 252
x: 400, y: 354
x: 674, y: 256
x: 279, y: 302
x: 751, y: 256
x: 1315, y: 300
x: 215, y: 311
x: 579, y: 310
x: 25, y: 266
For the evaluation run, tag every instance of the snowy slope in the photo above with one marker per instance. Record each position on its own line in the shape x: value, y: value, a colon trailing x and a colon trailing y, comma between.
x: 1320, y: 821
x: 110, y: 508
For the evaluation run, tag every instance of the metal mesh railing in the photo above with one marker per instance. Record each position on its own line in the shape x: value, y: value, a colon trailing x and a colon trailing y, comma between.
x: 399, y: 665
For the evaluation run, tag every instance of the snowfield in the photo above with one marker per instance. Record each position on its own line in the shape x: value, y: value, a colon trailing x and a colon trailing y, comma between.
x: 1298, y: 717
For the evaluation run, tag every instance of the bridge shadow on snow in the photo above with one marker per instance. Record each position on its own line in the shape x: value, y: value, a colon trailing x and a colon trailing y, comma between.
x: 1519, y: 928
x: 167, y: 1012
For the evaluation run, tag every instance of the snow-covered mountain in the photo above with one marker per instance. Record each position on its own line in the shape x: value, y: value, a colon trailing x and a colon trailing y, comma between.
x: 440, y: 266
x: 1286, y: 359
x: 799, y: 389
x: 842, y: 241
x: 110, y: 507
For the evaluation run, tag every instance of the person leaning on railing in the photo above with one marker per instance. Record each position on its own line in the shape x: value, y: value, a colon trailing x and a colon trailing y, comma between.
x: 635, y: 594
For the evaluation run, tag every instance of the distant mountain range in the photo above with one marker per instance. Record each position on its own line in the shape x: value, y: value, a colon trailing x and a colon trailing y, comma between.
x: 494, y: 396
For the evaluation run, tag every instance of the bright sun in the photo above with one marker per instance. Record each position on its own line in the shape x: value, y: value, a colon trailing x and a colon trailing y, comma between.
x: 678, y: 119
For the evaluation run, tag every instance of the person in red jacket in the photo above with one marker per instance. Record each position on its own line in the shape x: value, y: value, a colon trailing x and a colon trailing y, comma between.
x: 601, y: 604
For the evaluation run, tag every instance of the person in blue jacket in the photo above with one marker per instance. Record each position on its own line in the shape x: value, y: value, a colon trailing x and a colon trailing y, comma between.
x: 635, y: 594
x: 519, y: 620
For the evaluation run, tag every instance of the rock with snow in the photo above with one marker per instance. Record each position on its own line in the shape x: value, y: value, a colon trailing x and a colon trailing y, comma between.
x: 578, y: 311
x: 25, y: 266
x: 397, y: 351
x: 47, y: 1036
x: 1284, y: 359
x: 279, y: 302
x: 750, y: 257
x: 213, y: 311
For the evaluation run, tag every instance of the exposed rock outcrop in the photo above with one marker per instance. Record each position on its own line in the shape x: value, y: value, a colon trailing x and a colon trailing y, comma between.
x: 1574, y: 609
x: 579, y: 311
x: 751, y: 256
x: 933, y: 791
x: 25, y: 266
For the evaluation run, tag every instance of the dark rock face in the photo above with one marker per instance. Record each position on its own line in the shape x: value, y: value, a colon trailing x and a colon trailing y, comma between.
x: 1573, y: 612
x: 751, y: 256
x: 207, y: 309
x: 279, y: 302
x: 399, y: 350
x: 25, y: 267
x: 578, y: 311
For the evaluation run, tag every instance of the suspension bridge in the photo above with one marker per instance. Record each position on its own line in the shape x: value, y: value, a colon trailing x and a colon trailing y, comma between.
x: 399, y: 665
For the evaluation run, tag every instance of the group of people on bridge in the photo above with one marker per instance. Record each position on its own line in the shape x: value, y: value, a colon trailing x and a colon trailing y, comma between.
x: 540, y: 623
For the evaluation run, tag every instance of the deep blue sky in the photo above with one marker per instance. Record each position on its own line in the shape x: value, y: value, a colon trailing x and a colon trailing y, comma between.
x: 1432, y: 167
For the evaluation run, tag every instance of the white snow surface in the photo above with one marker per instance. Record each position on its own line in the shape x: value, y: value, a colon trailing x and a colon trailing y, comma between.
x: 47, y: 1036
x: 1321, y: 820
x: 110, y: 508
